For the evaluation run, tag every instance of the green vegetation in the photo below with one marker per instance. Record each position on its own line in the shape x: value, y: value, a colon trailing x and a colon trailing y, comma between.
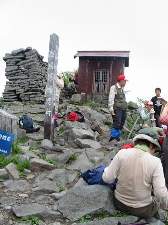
x: 72, y: 158
x: 108, y: 123
x: 15, y: 158
x: 22, y: 140
x: 67, y: 77
x: 61, y: 131
x: 100, y: 215
x: 32, y: 220
x: 44, y: 157
x: 20, y: 164
x: 92, y: 104
x: 16, y: 149
x: 61, y: 188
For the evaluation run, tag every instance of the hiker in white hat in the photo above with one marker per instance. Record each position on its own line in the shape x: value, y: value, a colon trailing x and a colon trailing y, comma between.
x: 139, y: 173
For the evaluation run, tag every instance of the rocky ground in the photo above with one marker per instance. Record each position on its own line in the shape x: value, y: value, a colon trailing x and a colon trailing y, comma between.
x: 40, y: 182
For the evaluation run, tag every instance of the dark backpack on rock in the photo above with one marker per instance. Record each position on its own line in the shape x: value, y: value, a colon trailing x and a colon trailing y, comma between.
x: 26, y: 123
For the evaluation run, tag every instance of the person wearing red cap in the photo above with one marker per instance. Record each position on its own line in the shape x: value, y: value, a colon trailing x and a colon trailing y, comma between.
x: 118, y: 106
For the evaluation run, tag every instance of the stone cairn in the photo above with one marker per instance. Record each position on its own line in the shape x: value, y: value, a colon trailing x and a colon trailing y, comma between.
x: 26, y: 73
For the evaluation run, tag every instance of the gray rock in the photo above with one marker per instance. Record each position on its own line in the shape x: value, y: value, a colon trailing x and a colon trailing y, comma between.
x: 113, y: 221
x: 60, y: 158
x: 16, y: 52
x: 77, y: 125
x: 59, y: 195
x: 36, y: 136
x: 94, y: 155
x: 87, y: 143
x: 74, y: 133
x: 40, y: 165
x: 47, y: 144
x: 83, y: 200
x: 12, y: 171
x: 17, y: 185
x: 61, y: 142
x: 4, y: 174
x: 62, y: 176
x: 81, y: 164
x: 76, y: 98
x: 45, y: 186
x: 34, y: 209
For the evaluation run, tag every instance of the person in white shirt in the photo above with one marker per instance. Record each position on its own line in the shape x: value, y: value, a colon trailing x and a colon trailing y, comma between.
x: 139, y: 173
x: 118, y: 107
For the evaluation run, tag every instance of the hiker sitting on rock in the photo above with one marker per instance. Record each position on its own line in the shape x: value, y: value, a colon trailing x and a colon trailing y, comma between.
x: 139, y: 173
x: 118, y: 107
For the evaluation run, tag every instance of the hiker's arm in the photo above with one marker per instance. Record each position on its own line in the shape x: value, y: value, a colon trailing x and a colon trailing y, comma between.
x: 111, y: 172
x: 111, y: 98
x: 159, y: 187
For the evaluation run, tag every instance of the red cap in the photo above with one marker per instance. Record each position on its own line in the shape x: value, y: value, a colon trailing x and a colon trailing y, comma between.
x: 121, y: 77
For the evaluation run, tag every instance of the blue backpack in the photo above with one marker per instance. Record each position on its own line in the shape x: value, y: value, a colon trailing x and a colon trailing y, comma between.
x: 94, y: 176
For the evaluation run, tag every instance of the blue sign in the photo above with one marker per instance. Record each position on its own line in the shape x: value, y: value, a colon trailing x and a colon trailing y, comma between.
x: 6, y: 141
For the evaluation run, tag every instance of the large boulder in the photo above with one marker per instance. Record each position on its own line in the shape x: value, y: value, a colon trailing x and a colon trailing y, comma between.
x: 40, y: 165
x: 17, y: 185
x: 45, y: 186
x: 62, y: 177
x: 83, y: 200
x: 87, y: 143
x: 34, y: 209
x: 81, y: 164
x: 47, y: 144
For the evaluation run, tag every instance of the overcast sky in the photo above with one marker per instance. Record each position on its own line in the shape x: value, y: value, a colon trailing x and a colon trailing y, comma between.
x: 136, y: 25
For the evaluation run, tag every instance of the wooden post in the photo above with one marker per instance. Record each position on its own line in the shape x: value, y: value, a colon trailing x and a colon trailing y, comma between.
x: 50, y: 87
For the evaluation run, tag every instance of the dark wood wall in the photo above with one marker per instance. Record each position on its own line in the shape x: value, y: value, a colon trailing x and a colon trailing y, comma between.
x: 87, y: 68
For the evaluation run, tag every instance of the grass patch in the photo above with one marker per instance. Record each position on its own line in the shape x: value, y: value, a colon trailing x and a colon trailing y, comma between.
x: 32, y: 220
x: 72, y: 158
x: 61, y: 188
x: 92, y: 104
x: 22, y: 140
x: 16, y: 149
x: 60, y: 131
x: 20, y: 164
x: 15, y: 158
x: 44, y: 157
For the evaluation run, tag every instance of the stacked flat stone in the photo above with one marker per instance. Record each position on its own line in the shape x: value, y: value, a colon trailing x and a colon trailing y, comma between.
x: 26, y: 73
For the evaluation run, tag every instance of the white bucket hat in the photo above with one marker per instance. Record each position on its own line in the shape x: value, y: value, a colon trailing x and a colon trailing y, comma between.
x: 147, y: 138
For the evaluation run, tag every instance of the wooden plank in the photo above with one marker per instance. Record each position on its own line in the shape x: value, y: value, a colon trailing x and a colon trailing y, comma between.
x: 8, y: 122
x: 50, y: 87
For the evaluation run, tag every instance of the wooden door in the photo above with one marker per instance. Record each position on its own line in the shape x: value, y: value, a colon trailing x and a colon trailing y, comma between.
x: 101, y: 82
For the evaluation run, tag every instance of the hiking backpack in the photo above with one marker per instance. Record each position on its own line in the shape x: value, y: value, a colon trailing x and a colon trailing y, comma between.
x: 26, y: 122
